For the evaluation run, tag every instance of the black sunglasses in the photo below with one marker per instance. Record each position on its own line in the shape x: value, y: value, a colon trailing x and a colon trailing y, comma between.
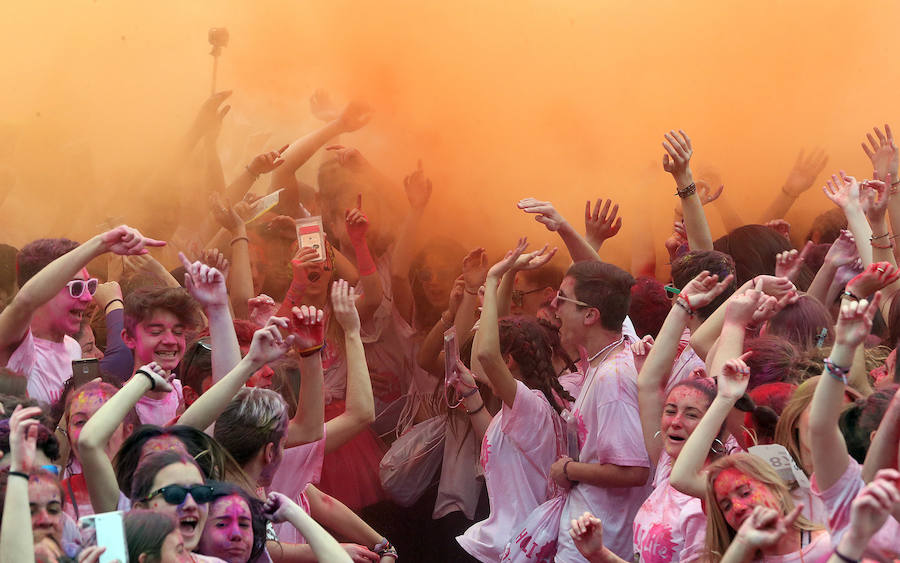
x: 176, y: 494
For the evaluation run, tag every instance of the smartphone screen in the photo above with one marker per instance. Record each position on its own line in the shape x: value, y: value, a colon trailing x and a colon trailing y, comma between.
x: 85, y: 370
x: 451, y: 353
x: 106, y: 530
x: 311, y: 234
x: 263, y: 204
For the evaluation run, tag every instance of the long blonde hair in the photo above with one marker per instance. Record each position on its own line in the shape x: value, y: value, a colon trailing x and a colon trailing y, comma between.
x: 719, y: 534
x: 787, y: 432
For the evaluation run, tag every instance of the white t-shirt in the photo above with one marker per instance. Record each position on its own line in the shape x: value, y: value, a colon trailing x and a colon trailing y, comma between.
x: 609, y: 431
x: 48, y: 365
x: 885, y: 544
x: 670, y: 526
x: 300, y: 466
x: 519, y: 446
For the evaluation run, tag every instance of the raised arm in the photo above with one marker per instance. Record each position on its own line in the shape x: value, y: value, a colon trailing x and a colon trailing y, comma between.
x: 657, y: 368
x: 842, y: 252
x: 580, y: 250
x: 354, y: 116
x: 16, y: 318
x: 677, y: 162
x: 844, y: 192
x: 885, y: 158
x: 309, y: 334
x: 733, y: 376
x: 600, y: 225
x: 801, y: 177
x: 240, y: 275
x: 418, y: 192
x: 429, y: 355
x: 261, y: 164
x: 829, y: 450
x: 267, y: 345
x: 207, y: 286
x: 868, y: 513
x: 96, y: 465
x: 371, y: 289
x: 360, y: 405
x: 16, y: 538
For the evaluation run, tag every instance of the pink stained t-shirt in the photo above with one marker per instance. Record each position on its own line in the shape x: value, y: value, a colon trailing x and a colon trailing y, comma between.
x: 300, y: 466
x: 519, y: 446
x: 609, y: 431
x: 884, y: 545
x: 161, y: 411
x: 47, y: 364
x: 670, y: 526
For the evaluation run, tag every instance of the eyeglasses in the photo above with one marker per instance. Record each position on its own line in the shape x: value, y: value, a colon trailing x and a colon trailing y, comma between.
x: 518, y: 296
x: 77, y: 287
x: 176, y: 494
x: 561, y: 297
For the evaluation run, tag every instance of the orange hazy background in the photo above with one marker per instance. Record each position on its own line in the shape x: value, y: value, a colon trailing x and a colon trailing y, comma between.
x: 562, y: 100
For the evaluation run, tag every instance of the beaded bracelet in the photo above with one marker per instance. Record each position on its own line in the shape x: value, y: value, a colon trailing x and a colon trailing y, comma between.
x: 687, y: 191
x: 836, y: 371
x: 683, y: 302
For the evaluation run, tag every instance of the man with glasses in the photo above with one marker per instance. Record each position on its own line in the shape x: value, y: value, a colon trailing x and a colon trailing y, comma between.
x: 534, y: 290
x: 36, y: 328
x: 610, y: 475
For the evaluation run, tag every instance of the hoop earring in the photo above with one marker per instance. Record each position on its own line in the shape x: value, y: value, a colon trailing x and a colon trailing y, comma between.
x: 658, y: 432
x: 721, y: 444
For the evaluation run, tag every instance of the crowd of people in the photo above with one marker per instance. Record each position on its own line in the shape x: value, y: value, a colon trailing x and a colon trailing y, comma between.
x: 276, y: 390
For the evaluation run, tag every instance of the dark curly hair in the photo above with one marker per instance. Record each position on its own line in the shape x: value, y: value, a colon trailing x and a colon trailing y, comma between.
x: 525, y: 339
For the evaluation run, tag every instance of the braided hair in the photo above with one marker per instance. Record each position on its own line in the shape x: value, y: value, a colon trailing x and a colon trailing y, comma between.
x: 527, y: 342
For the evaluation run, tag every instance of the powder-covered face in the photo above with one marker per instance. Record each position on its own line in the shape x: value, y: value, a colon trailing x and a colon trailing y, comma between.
x: 46, y: 508
x: 681, y: 414
x: 738, y: 494
x: 64, y: 312
x: 81, y: 408
x: 163, y: 443
x: 173, y: 551
x: 228, y: 534
x: 159, y: 339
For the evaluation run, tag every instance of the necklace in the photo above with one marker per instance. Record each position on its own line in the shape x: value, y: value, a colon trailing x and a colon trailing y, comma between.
x: 608, y: 348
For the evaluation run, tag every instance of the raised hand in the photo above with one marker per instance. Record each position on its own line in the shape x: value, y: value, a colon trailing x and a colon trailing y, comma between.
x: 732, y: 382
x: 875, y: 195
x: 209, y: 118
x: 843, y: 191
x: 677, y: 160
x: 348, y: 157
x: 873, y: 505
x: 474, y: 269
x: 882, y: 151
x: 226, y: 216
x: 266, y: 162
x: 740, y: 308
x: 278, y: 507
x: 789, y: 262
x: 357, y: 222
x: 343, y: 305
x: 126, y: 241
x: 703, y: 289
x: 544, y: 212
x: 775, y: 286
x: 843, y: 251
x: 261, y: 307
x: 765, y: 527
x: 676, y: 240
x: 781, y: 227
x: 418, y: 188
x: 706, y: 193
x: 23, y: 431
x: 106, y: 292
x: 161, y: 380
x: 462, y: 379
x: 587, y: 533
x: 355, y: 116
x: 321, y: 106
x: 600, y: 225
x: 456, y: 295
x: 308, y: 325
x: 535, y: 259
x: 875, y: 277
x: 205, y: 284
x: 268, y: 344
x: 215, y: 259
x: 804, y: 173
x: 509, y: 260
x: 855, y: 321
